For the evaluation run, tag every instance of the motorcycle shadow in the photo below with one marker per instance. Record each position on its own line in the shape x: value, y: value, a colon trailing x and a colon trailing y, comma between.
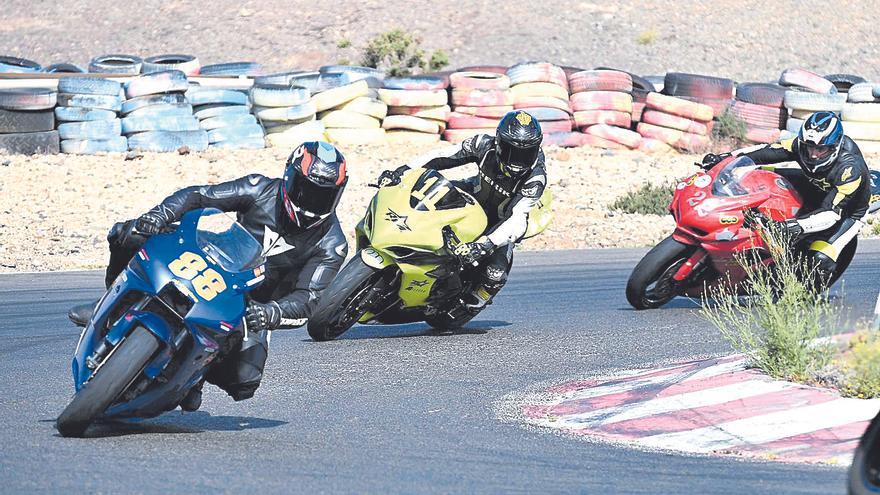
x: 406, y: 330
x: 179, y: 422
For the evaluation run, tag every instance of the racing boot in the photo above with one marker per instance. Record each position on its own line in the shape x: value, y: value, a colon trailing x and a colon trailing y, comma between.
x: 82, y: 313
x: 193, y: 399
x: 477, y: 300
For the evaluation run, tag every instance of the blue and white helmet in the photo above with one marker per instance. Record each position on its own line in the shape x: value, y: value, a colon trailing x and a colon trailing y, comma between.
x: 819, y: 141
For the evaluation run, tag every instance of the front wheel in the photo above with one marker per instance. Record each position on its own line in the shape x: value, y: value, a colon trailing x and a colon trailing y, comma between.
x: 118, y: 371
x: 343, y: 303
x: 651, y: 284
x: 864, y: 474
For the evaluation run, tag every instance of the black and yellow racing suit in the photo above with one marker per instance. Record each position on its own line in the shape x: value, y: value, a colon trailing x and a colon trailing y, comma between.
x: 835, y: 200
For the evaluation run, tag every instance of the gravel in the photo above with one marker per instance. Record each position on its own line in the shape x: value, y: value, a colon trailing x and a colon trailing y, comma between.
x: 745, y: 40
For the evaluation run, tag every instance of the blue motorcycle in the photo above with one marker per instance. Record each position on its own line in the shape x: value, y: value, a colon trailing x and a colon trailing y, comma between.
x: 177, y: 308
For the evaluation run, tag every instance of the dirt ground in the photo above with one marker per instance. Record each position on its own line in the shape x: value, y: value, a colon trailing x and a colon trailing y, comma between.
x: 55, y: 210
x: 743, y: 39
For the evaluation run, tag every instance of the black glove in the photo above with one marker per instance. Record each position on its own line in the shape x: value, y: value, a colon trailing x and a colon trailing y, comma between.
x: 150, y: 223
x: 789, y: 230
x: 711, y: 160
x: 391, y: 177
x: 263, y: 316
x: 470, y: 253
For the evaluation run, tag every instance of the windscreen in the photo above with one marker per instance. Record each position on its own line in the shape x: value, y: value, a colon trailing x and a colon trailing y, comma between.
x: 729, y: 182
x: 225, y: 241
x: 434, y: 192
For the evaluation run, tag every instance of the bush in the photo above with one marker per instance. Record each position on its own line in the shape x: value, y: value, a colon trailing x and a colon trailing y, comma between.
x: 779, y: 325
x: 398, y: 53
x: 729, y: 126
x: 646, y: 37
x: 647, y: 200
x: 861, y: 367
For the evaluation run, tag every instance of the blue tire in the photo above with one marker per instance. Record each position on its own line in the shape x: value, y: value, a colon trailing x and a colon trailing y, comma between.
x: 92, y: 129
x: 93, y: 146
x: 168, y: 142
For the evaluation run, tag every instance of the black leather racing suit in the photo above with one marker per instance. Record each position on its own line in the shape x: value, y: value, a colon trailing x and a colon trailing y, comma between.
x: 835, y: 201
x: 507, y: 201
x: 300, y: 262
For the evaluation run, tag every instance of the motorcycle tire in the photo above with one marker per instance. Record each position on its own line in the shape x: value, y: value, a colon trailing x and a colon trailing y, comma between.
x: 118, y: 371
x: 658, y: 266
x: 864, y: 473
x: 338, y: 308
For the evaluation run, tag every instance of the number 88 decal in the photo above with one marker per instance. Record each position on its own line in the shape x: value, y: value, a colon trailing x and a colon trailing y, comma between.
x: 206, y: 281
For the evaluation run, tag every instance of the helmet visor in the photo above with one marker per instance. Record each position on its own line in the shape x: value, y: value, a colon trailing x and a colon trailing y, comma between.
x: 517, y: 160
x: 815, y: 154
x: 310, y: 201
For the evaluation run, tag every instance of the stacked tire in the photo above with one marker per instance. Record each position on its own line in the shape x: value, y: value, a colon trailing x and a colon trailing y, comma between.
x: 417, y: 108
x: 479, y: 101
x: 861, y: 116
x: 807, y: 93
x: 716, y: 92
x: 602, y: 103
x: 674, y: 123
x: 284, y: 108
x: 349, y: 107
x: 87, y: 115
x: 27, y: 124
x: 761, y: 107
x: 158, y: 116
x: 226, y: 117
x: 541, y: 89
x: 16, y: 65
x: 188, y: 64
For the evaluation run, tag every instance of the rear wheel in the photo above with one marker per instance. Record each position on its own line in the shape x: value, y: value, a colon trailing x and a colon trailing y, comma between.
x: 344, y: 302
x: 864, y: 474
x: 651, y: 283
x: 115, y: 375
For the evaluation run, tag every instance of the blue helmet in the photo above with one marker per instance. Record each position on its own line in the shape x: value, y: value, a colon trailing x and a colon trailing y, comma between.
x: 819, y: 141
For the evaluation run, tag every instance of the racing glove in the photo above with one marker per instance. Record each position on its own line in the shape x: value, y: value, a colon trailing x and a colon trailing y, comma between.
x: 261, y: 316
x: 391, y: 177
x: 150, y: 223
x: 470, y: 253
x: 789, y: 230
x: 711, y: 160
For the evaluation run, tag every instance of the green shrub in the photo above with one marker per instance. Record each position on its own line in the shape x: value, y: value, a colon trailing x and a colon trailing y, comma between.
x: 647, y: 200
x: 344, y: 43
x: 782, y: 317
x: 399, y: 53
x: 730, y: 126
x: 861, y: 366
x: 875, y: 227
x: 646, y: 37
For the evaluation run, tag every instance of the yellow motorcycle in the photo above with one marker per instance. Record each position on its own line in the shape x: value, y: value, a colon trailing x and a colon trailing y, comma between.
x: 404, y: 269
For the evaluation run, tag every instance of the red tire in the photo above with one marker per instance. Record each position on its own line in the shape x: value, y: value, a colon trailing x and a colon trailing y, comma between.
x: 670, y: 121
x: 537, y: 72
x: 459, y: 135
x: 478, y: 80
x: 458, y: 120
x: 601, y: 100
x: 554, y: 126
x: 547, y: 113
x: 626, y: 137
x: 593, y: 117
x: 600, y: 80
x: 490, y: 112
x: 718, y: 106
x: 566, y: 139
x: 495, y: 69
x: 655, y: 146
x: 770, y: 95
x: 759, y: 115
x: 674, y: 137
x: 599, y: 142
x: 698, y: 86
x: 638, y: 111
x: 680, y: 107
x: 808, y: 80
x: 762, y: 135
x: 526, y: 102
x: 482, y: 97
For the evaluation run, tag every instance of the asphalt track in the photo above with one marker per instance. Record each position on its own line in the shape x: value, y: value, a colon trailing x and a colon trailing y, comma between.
x: 387, y: 409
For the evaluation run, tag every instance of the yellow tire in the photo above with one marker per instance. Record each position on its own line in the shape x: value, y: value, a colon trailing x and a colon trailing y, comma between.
x: 344, y: 119
x: 339, y: 96
x: 410, y: 123
x: 356, y: 137
x: 366, y: 106
x: 538, y: 89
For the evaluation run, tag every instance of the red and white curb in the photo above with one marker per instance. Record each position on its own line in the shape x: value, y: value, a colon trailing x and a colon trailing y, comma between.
x: 713, y: 406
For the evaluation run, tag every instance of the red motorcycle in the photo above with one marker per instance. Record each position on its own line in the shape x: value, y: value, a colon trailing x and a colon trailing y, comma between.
x: 710, y: 211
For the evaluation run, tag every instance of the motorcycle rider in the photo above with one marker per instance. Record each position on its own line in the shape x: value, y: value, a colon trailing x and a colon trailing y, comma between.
x: 833, y: 179
x: 510, y: 181
x: 294, y: 218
